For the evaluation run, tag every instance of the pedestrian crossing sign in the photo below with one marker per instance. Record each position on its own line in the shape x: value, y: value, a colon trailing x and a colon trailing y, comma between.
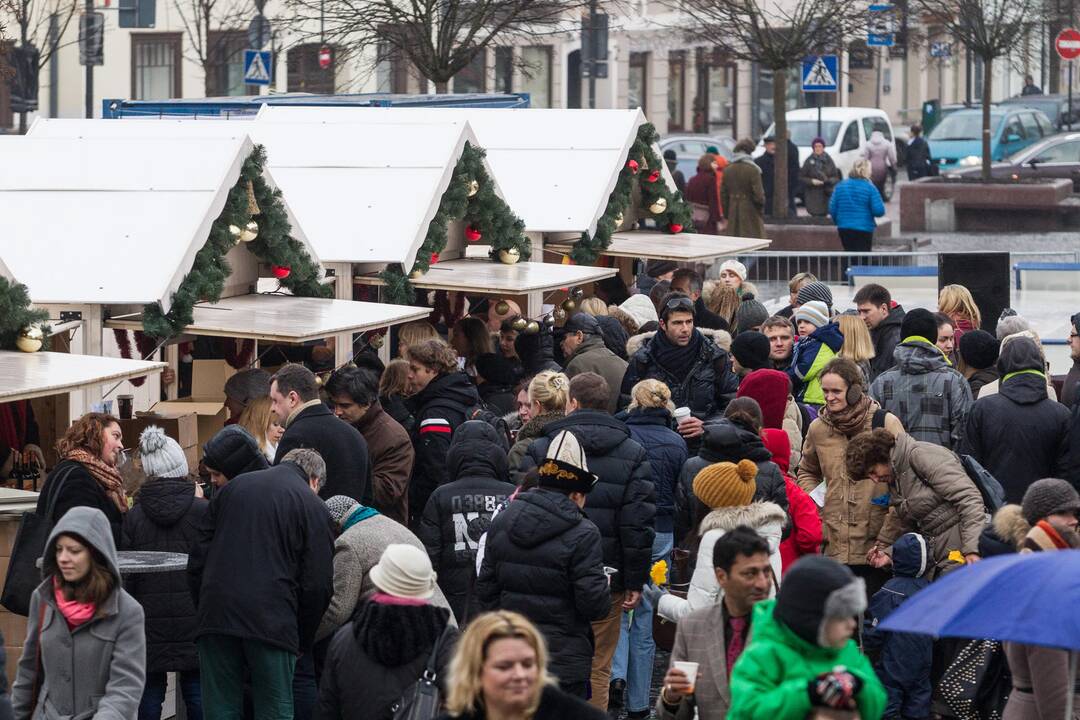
x: 820, y: 73
x: 258, y: 65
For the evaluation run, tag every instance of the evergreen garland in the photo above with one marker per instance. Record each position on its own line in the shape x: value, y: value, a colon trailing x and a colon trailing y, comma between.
x: 274, y: 244
x: 676, y: 218
x: 16, y: 313
x: 485, y: 211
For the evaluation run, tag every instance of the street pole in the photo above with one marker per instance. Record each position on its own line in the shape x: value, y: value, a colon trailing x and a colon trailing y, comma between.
x: 877, y: 89
x: 592, y: 54
x: 820, y: 100
x: 1069, y: 119
x: 89, y: 68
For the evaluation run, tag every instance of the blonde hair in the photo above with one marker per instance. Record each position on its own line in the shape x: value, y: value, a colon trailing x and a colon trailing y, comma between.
x: 256, y: 419
x: 467, y: 665
x: 651, y: 394
x: 551, y: 390
x: 415, y: 333
x: 799, y: 279
x: 858, y: 345
x: 861, y: 169
x: 956, y: 302
x: 395, y: 378
x: 594, y: 306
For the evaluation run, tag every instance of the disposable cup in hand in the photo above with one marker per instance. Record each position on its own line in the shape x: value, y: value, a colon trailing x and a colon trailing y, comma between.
x: 681, y: 414
x: 690, y: 669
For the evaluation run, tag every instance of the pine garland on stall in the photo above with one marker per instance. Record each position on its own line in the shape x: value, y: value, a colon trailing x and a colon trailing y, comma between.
x: 274, y: 245
x: 666, y: 208
x: 16, y: 313
x: 483, y: 212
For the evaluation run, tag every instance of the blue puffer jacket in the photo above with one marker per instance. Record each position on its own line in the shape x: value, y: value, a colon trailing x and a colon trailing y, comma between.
x: 666, y: 450
x: 854, y: 205
x: 904, y: 663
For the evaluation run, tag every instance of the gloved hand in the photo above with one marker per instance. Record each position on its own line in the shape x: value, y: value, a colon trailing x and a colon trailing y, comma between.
x: 836, y: 689
x: 652, y: 593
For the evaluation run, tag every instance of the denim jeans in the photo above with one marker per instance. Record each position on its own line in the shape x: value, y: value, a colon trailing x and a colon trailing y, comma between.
x: 634, y: 653
x: 154, y: 695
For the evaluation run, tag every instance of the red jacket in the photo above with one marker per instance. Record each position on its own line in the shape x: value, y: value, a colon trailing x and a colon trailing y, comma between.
x: 805, y: 537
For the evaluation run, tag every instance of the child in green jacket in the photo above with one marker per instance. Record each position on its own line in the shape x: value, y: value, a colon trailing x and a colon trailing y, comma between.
x: 801, y: 655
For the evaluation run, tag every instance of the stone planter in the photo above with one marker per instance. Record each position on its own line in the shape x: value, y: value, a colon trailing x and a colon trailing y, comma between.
x: 804, y: 234
x: 945, y: 205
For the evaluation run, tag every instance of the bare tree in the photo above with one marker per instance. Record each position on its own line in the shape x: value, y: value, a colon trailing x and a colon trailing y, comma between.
x: 990, y: 29
x: 438, y: 38
x: 37, y: 42
x: 777, y: 35
x: 209, y: 26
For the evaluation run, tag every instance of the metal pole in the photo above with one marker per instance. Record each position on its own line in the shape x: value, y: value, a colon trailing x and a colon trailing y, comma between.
x: 1069, y: 119
x: 877, y: 89
x: 592, y: 54
x: 967, y: 76
x: 89, y: 67
x: 54, y: 66
x: 820, y: 100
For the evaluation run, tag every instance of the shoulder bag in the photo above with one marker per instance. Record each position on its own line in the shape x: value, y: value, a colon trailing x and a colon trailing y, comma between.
x: 422, y: 701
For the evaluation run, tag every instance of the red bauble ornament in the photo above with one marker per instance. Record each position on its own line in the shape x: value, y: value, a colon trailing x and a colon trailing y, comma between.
x: 472, y: 234
x: 675, y: 228
x: 633, y: 165
x: 434, y: 258
x: 654, y: 176
x: 281, y: 271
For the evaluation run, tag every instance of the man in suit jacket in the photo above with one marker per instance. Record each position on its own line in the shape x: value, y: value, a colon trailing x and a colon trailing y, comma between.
x: 715, y: 636
x: 310, y: 424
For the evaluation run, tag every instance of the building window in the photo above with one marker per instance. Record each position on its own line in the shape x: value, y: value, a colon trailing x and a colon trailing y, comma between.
x: 676, y: 90
x: 504, y: 69
x: 304, y: 73
x: 536, y: 74
x: 473, y: 77
x: 714, y: 103
x: 155, y: 66
x: 391, y: 73
x: 225, y: 75
x: 639, y: 63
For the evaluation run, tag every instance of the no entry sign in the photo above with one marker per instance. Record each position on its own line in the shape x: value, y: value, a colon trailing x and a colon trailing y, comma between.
x: 1067, y: 44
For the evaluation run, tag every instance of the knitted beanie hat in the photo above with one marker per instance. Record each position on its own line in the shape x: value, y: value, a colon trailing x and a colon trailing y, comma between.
x: 750, y: 314
x: 817, y: 589
x: 233, y: 451
x: 341, y: 507
x: 751, y: 349
x: 161, y: 456
x: 979, y: 349
x: 919, y: 322
x: 1047, y: 497
x: 734, y: 266
x: 815, y: 291
x: 404, y: 571
x: 726, y: 484
x: 248, y: 385
x: 641, y: 308
x: 814, y: 312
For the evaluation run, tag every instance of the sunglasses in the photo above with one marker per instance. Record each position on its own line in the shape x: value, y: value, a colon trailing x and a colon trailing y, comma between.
x: 681, y: 303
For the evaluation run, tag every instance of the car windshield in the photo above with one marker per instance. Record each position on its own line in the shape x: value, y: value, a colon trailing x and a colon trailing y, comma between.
x: 962, y: 126
x: 1047, y: 105
x: 803, y: 132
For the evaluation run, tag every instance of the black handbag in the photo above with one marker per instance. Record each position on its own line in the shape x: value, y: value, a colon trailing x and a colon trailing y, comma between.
x: 976, y: 683
x: 422, y: 701
x: 23, y: 575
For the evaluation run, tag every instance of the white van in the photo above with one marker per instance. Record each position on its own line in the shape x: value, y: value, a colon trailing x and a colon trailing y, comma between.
x: 845, y: 130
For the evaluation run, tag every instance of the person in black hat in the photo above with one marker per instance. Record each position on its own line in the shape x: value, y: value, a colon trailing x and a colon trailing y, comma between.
x: 671, y: 160
x: 979, y: 351
x: 232, y: 451
x: 583, y: 347
x: 542, y: 558
x: 1072, y: 380
x: 655, y: 271
x: 496, y: 377
x: 751, y: 352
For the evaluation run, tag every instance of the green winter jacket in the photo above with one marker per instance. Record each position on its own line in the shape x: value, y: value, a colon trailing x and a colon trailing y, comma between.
x: 770, y: 678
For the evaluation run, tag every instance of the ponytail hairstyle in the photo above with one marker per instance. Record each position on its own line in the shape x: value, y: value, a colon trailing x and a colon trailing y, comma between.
x: 551, y: 390
x: 745, y: 412
x: 651, y: 394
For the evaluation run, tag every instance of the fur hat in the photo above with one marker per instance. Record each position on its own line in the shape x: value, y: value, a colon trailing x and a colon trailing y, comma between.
x: 815, y: 291
x: 1047, y: 497
x: 641, y: 309
x: 751, y: 349
x: 160, y: 455
x: 979, y: 349
x: 404, y: 571
x: 734, y: 266
x: 919, y: 322
x: 817, y: 589
x: 814, y: 312
x: 565, y: 467
x: 726, y: 484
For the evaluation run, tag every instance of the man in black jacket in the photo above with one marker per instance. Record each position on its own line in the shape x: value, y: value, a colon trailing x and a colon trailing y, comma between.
x: 622, y: 505
x: 310, y: 424
x: 883, y: 319
x: 542, y: 558
x: 689, y: 283
x: 259, y: 602
x: 459, y: 512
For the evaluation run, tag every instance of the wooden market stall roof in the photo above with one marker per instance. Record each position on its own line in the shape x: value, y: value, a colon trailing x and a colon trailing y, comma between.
x: 683, y: 247
x: 555, y: 168
x: 285, y: 318
x: 110, y: 221
x: 483, y: 276
x: 30, y: 375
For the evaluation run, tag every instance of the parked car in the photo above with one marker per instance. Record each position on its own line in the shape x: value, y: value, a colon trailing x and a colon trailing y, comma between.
x: 956, y: 141
x: 690, y: 147
x: 1055, y: 107
x: 1054, y: 157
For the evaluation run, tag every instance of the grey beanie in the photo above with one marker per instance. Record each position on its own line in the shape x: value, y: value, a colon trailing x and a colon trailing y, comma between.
x: 1047, y: 497
x: 815, y: 291
x: 750, y: 314
x: 160, y: 455
x: 341, y: 507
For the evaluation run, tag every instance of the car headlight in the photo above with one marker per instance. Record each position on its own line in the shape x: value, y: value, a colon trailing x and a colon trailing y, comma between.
x: 970, y: 160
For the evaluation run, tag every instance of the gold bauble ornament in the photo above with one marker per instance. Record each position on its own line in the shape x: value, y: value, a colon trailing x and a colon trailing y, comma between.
x: 250, y: 231
x: 559, y: 314
x: 509, y: 256
x: 519, y: 324
x: 415, y: 274
x: 658, y: 206
x: 474, y: 187
x: 568, y: 305
x: 619, y: 220
x: 30, y: 339
x: 235, y: 232
x: 532, y: 327
x: 502, y: 308
x: 319, y: 380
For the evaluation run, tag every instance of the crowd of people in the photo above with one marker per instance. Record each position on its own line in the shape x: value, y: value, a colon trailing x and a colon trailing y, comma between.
x: 517, y: 517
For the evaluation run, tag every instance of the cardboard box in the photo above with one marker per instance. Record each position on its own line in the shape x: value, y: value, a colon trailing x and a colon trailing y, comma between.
x: 183, y: 427
x: 207, y: 402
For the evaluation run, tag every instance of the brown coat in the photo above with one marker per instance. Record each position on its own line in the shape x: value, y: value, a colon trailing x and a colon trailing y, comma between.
x: 392, y: 455
x: 743, y: 199
x: 932, y: 495
x: 1045, y: 672
x: 850, y: 521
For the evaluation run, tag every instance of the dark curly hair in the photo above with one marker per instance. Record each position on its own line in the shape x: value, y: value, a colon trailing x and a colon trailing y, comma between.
x: 88, y: 433
x: 434, y: 355
x: 866, y: 450
x: 847, y: 370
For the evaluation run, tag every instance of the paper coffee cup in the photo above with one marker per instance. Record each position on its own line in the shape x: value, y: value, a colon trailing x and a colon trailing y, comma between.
x: 691, y: 670
x: 681, y: 414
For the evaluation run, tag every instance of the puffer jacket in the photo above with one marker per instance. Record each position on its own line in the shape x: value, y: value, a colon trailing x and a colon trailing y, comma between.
x: 725, y: 441
x: 543, y: 559
x: 706, y: 388
x: 666, y: 450
x: 459, y: 513
x: 809, y: 357
x: 854, y: 509
x: 622, y: 503
x: 593, y: 356
x: 929, y: 397
x: 166, y: 518
x: 528, y: 432
x: 615, y: 335
x: 932, y: 495
x: 886, y: 336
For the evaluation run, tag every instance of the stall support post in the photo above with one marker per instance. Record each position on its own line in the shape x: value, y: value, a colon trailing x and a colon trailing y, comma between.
x: 93, y: 326
x: 172, y: 356
x: 343, y: 290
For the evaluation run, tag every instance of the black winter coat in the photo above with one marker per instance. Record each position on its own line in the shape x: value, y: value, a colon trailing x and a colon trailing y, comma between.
x: 262, y: 568
x: 166, y: 517
x: 79, y: 489
x: 342, y: 447
x: 439, y: 409
x: 622, y: 503
x: 886, y: 337
x: 554, y: 705
x: 666, y: 450
x: 725, y: 441
x: 542, y: 559
x: 459, y: 512
x: 918, y: 159
x: 615, y: 336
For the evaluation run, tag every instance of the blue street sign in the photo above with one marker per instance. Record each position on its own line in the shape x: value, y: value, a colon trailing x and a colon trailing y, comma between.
x: 821, y: 73
x: 940, y: 49
x: 258, y: 67
x: 881, y: 28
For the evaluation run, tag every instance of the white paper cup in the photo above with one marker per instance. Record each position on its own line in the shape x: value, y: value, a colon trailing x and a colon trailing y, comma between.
x: 691, y: 670
x: 681, y: 414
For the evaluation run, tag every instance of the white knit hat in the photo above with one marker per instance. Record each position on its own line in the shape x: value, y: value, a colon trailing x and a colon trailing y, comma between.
x: 404, y: 571
x: 734, y: 266
x: 814, y: 312
x: 641, y: 308
x: 161, y: 456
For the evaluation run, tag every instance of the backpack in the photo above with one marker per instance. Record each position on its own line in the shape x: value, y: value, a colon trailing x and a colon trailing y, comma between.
x: 993, y: 494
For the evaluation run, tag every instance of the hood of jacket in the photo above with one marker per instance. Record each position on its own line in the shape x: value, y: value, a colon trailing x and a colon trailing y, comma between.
x: 720, y: 338
x: 166, y: 500
x: 877, y: 138
x: 596, y: 431
x: 541, y: 516
x: 911, y: 556
x: 755, y: 515
x: 915, y: 357
x: 895, y: 318
x: 1009, y: 525
x: 589, y: 344
x: 1027, y: 388
x: 536, y: 426
x: 725, y: 441
x: 89, y: 524
x: 829, y: 334
x: 475, y: 451
x: 779, y: 444
x: 455, y: 387
x: 615, y: 336
x: 1021, y: 366
x: 768, y: 630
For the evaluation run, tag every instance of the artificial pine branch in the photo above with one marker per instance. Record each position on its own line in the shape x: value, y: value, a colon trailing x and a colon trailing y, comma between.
x: 16, y: 313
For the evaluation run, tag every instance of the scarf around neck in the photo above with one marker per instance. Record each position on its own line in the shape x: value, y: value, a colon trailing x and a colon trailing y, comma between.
x: 107, y: 476
x: 674, y: 358
x: 852, y: 419
x: 75, y: 613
